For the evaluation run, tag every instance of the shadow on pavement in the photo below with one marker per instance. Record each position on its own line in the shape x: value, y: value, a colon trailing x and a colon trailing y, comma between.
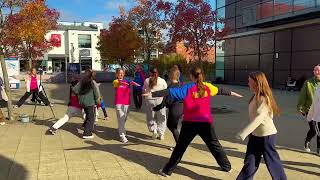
x: 12, y: 170
x: 151, y: 162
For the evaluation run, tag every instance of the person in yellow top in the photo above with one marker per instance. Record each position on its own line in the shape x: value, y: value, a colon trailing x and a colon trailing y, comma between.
x: 261, y: 131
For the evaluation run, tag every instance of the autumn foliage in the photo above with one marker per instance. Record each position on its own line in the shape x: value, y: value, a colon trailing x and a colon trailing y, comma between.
x: 120, y: 42
x: 26, y: 30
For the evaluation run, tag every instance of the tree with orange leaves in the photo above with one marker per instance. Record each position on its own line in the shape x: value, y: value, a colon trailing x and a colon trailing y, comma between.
x: 120, y: 42
x: 26, y: 30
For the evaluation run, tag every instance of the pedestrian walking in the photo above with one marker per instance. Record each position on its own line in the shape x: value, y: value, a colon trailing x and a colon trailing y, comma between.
x: 305, y: 100
x: 261, y: 131
x: 139, y: 77
x: 314, y: 114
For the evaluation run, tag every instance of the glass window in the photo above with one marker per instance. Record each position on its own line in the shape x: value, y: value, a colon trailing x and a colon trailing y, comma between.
x: 221, y: 13
x: 265, y: 10
x: 221, y: 3
x: 230, y: 11
x: 282, y: 7
x: 247, y: 62
x: 282, y: 62
x: 303, y: 4
x: 84, y: 40
x: 305, y: 60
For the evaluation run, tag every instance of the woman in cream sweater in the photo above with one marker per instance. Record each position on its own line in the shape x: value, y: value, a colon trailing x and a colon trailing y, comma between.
x: 261, y: 130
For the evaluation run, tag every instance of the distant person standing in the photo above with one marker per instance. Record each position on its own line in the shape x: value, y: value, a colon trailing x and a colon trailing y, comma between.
x: 314, y: 115
x: 139, y: 77
x: 304, y: 103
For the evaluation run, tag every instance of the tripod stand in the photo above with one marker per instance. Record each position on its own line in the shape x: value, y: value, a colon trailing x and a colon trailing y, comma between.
x: 37, y: 96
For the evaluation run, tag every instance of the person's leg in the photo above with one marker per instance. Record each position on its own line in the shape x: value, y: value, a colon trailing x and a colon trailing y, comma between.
x: 208, y: 135
x: 318, y: 137
x: 152, y: 126
x: 89, y: 120
x: 311, y: 133
x: 2, y: 118
x: 43, y: 98
x: 161, y: 121
x: 135, y: 98
x: 121, y: 118
x: 172, y: 124
x: 23, y: 98
x: 188, y: 132
x: 252, y: 159
x: 71, y: 111
x: 272, y: 159
x: 139, y: 98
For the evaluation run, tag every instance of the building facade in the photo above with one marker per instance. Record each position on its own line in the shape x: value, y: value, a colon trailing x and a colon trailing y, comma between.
x: 278, y: 37
x: 74, y: 43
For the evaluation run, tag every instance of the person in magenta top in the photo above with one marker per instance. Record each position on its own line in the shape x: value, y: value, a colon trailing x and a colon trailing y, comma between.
x: 122, y: 101
x: 33, y: 86
x: 197, y: 119
x: 74, y: 110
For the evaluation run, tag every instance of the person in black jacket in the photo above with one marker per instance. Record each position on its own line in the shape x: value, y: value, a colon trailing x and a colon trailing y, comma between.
x: 175, y: 107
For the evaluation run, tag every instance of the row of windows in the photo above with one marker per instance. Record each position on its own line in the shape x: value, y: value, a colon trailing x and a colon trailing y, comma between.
x: 299, y: 39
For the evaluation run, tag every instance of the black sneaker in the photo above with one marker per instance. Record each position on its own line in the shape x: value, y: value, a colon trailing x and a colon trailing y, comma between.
x: 163, y: 173
x: 52, y: 131
x: 318, y: 151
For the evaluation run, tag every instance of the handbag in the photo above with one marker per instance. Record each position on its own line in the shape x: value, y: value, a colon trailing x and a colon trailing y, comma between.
x: 3, y: 94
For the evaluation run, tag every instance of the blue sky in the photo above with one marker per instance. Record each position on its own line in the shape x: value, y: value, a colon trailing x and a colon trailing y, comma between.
x: 91, y: 10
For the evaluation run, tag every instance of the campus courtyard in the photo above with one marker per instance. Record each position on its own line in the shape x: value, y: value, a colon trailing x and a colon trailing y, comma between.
x: 29, y: 152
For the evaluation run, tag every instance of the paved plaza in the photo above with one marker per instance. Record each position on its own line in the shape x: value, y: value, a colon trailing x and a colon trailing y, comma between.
x: 27, y: 152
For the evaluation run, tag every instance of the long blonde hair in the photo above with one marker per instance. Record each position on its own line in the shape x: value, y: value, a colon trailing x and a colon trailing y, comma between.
x: 197, y: 74
x: 174, y: 74
x: 262, y: 89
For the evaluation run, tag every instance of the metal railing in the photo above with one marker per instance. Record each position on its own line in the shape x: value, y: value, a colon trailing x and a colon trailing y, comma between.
x: 276, y: 9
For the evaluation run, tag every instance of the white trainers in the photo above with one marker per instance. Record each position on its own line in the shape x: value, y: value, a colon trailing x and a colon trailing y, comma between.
x: 88, y: 137
x: 161, y: 137
x: 307, y: 146
x: 15, y: 106
x: 154, y: 135
x: 2, y: 123
x: 123, y: 139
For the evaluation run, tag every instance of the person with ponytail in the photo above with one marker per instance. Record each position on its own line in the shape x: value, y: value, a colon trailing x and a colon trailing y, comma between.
x: 197, y: 119
x: 89, y: 96
x: 261, y: 130
x: 156, y: 121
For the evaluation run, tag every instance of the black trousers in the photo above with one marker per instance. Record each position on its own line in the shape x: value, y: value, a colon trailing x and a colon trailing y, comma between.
x: 89, y: 121
x: 40, y: 94
x: 137, y: 98
x: 206, y: 131
x: 266, y: 147
x: 174, y: 115
x: 312, y: 132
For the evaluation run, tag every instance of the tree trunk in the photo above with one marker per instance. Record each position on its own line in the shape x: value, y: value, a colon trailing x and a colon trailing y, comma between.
x: 7, y: 86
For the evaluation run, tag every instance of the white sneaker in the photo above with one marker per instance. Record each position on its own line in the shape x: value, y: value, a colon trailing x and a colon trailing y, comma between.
x: 2, y: 123
x: 307, y: 146
x: 15, y: 106
x: 161, y: 137
x: 88, y: 137
x: 154, y: 135
x: 123, y: 139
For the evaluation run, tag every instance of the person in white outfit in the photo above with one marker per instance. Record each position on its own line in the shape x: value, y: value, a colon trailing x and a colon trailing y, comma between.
x: 314, y: 115
x: 156, y: 121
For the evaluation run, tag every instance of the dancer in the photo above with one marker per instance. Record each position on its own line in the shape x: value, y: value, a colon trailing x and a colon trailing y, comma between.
x: 139, y: 77
x: 156, y: 121
x: 88, y: 95
x: 33, y: 85
x: 197, y: 119
x: 4, y: 102
x: 122, y: 101
x: 314, y: 114
x: 74, y: 110
x: 175, y: 107
x: 304, y: 103
x: 261, y: 130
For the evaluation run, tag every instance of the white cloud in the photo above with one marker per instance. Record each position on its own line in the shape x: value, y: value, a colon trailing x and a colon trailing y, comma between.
x: 111, y: 5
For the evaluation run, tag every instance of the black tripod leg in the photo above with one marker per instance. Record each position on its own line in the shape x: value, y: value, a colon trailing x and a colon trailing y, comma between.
x: 45, y: 94
x: 34, y: 110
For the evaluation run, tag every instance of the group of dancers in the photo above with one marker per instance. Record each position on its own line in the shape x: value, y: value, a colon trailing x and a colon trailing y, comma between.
x: 189, y: 103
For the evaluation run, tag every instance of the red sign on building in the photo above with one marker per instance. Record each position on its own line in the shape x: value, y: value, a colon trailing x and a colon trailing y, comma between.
x: 55, y: 40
